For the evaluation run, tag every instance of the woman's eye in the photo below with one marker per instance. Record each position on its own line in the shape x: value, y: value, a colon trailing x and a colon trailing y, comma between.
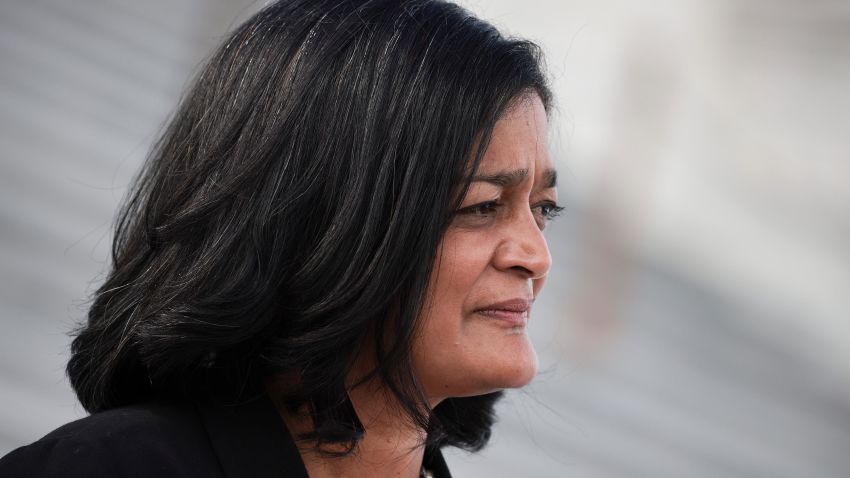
x: 482, y: 209
x: 485, y: 212
x: 548, y: 210
x: 477, y: 215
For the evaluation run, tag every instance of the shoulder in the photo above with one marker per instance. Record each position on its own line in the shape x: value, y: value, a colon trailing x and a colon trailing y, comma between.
x: 153, y: 440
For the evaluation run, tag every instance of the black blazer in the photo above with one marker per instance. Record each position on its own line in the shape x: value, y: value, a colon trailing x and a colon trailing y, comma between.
x: 163, y: 441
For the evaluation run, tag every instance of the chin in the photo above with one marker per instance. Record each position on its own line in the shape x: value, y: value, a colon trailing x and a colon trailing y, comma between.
x: 490, y: 363
x: 515, y: 370
x: 521, y: 374
x: 519, y: 360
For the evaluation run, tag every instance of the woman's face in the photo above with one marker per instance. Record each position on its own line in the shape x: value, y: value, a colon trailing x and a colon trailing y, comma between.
x: 491, y: 264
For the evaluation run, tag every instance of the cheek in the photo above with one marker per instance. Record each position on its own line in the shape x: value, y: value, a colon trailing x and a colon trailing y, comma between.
x: 462, y: 261
x: 454, y: 283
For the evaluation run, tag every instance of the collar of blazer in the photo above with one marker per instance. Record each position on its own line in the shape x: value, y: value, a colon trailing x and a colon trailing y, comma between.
x: 251, y: 441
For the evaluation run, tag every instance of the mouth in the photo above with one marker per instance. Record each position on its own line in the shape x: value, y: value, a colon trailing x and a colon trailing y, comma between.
x: 512, y: 313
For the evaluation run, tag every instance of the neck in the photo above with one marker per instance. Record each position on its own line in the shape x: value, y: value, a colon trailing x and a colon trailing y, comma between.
x: 391, y: 446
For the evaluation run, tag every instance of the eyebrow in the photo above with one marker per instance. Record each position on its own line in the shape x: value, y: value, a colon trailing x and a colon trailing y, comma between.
x: 509, y: 179
x: 505, y: 179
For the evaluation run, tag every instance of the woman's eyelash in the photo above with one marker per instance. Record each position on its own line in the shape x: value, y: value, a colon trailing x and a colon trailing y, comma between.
x: 481, y: 209
x: 549, y: 210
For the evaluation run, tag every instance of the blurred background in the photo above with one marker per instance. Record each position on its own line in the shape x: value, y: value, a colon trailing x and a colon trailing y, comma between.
x: 697, y: 318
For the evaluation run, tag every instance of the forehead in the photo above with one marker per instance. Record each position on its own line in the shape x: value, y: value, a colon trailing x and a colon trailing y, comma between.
x: 519, y: 140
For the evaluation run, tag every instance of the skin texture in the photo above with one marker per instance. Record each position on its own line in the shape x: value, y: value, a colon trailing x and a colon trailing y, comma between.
x: 493, y: 251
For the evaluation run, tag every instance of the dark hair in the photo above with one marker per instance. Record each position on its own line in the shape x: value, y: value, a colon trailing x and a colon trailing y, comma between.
x: 291, y: 212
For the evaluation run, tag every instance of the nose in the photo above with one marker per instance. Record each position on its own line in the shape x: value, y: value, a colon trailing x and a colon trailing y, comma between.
x: 523, y: 249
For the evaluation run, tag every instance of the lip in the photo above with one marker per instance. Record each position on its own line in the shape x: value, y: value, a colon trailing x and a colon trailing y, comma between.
x: 513, y: 312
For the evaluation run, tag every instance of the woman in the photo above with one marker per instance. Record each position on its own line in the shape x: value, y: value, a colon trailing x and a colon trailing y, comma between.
x: 327, y: 265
